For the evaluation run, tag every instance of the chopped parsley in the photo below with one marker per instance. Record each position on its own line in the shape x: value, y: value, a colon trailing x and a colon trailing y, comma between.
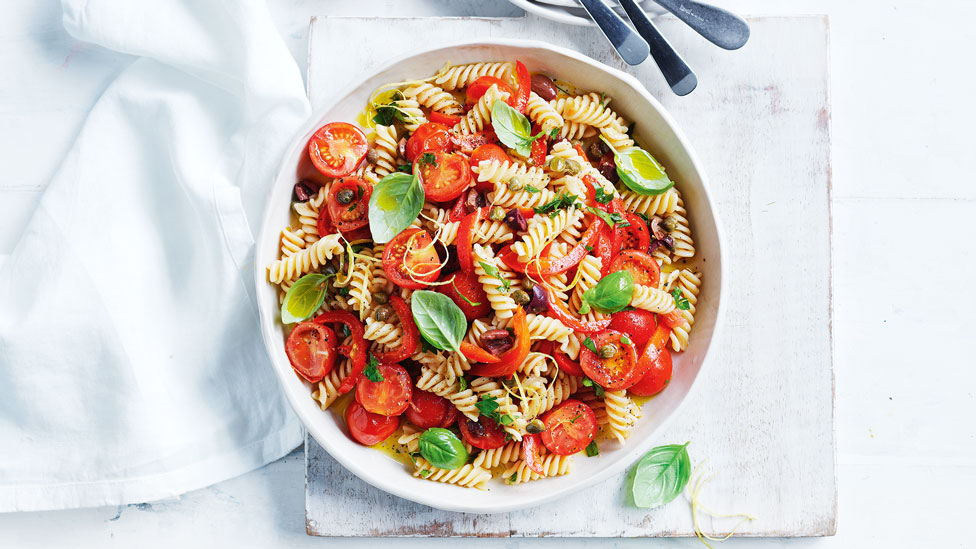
x: 372, y: 372
x: 462, y: 384
x: 554, y: 133
x: 343, y: 291
x: 552, y: 207
x: 428, y: 158
x: 603, y: 100
x: 425, y: 473
x: 588, y: 343
x: 597, y: 389
x: 680, y: 301
x: 513, y: 478
x: 626, y: 340
x: 612, y: 219
x: 592, y: 449
x: 405, y: 168
x: 488, y: 407
x: 531, y: 189
x: 492, y: 270
x: 588, y: 247
x: 387, y: 114
x: 603, y: 197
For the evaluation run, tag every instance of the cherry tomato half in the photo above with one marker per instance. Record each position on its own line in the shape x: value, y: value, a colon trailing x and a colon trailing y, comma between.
x: 368, y: 428
x: 659, y: 368
x: 570, y: 427
x: 449, y: 120
x: 618, y: 372
x: 311, y: 348
x: 337, y: 148
x: 410, y: 259
x: 354, y: 214
x: 429, y: 137
x: 468, y: 294
x: 640, y: 264
x: 638, y: 324
x: 428, y: 410
x: 446, y: 177
x: 482, y: 84
x: 389, y: 397
x: 488, y: 151
x: 634, y: 236
x: 485, y: 433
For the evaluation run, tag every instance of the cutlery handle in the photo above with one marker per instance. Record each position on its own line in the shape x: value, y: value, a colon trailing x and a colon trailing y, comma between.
x: 678, y: 74
x: 631, y: 47
x: 720, y: 27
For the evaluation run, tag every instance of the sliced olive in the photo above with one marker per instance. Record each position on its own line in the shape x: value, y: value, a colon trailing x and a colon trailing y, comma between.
x: 607, y: 351
x: 381, y: 313
x: 380, y: 297
x: 521, y: 298
x: 535, y: 426
x: 345, y: 196
x: 497, y: 213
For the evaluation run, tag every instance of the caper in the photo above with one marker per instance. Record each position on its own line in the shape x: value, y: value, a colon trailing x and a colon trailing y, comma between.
x: 515, y: 185
x: 381, y: 313
x: 573, y: 167
x: 380, y: 297
x: 557, y: 164
x: 527, y: 284
x: 535, y: 427
x: 329, y: 269
x: 497, y: 213
x: 670, y: 223
x: 607, y: 351
x: 345, y: 196
x: 521, y: 298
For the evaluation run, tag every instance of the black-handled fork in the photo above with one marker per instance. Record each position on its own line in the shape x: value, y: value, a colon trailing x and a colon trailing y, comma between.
x: 677, y: 73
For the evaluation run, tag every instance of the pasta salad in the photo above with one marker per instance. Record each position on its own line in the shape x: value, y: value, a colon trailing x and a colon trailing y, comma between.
x: 487, y: 275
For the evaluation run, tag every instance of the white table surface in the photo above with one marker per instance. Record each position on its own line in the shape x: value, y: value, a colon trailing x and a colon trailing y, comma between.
x: 904, y: 217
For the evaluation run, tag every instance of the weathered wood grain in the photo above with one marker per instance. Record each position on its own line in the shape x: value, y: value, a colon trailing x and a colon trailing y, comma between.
x: 763, y: 415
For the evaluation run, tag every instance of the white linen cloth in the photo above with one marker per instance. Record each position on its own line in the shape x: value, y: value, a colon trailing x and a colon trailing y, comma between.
x: 131, y: 366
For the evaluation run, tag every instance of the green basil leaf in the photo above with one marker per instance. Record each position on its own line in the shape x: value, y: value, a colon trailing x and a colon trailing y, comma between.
x: 304, y: 298
x: 439, y: 320
x: 512, y: 128
x: 588, y: 343
x: 612, y: 293
x: 640, y: 171
x: 395, y: 203
x: 661, y: 475
x: 442, y: 448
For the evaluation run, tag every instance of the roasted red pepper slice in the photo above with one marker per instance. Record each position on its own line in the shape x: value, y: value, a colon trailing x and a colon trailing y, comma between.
x: 531, y: 453
x: 358, y: 350
x: 464, y: 238
x: 411, y: 335
x: 546, y: 266
x: 539, y: 148
x: 476, y: 354
x: 565, y: 363
x: 512, y: 358
x: 448, y: 120
x: 557, y: 310
x: 521, y: 98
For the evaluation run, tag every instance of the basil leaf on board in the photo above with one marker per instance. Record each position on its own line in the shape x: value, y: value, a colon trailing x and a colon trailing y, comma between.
x: 395, y: 203
x: 612, y: 293
x: 640, y: 171
x: 304, y: 298
x: 439, y: 319
x: 661, y: 475
x: 442, y: 448
x: 512, y: 128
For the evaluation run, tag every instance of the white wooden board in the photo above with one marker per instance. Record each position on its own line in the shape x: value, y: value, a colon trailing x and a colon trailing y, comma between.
x: 763, y: 415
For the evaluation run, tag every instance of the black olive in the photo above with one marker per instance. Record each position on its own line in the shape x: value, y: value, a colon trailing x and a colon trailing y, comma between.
x: 544, y: 87
x: 304, y: 190
x: 538, y: 303
x: 515, y: 220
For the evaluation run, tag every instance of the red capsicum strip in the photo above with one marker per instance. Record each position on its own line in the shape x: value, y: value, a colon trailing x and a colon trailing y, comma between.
x: 358, y: 350
x: 660, y: 336
x: 476, y: 354
x: 546, y: 266
x: 465, y: 238
x: 411, y: 335
x: 512, y: 358
x: 531, y: 453
x: 565, y: 363
x: 557, y: 310
x: 520, y: 99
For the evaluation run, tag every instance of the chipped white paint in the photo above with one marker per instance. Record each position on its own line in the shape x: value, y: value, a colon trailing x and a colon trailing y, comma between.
x: 764, y: 413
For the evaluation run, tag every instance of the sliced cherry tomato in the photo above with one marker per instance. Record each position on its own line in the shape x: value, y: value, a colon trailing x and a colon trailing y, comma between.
x: 448, y: 120
x: 468, y: 142
x: 641, y: 265
x: 489, y: 151
x: 389, y: 397
x: 565, y: 363
x: 485, y: 433
x: 429, y: 137
x: 605, y: 249
x: 521, y: 97
x: 428, y: 410
x: 570, y: 427
x: 482, y: 85
x: 445, y: 178
x: 368, y: 428
x: 311, y: 348
x: 411, y: 251
x: 325, y: 224
x: 411, y: 335
x: 620, y: 371
x: 476, y: 354
x: 337, y: 148
x: 352, y: 215
x: 464, y: 240
x: 638, y: 324
x: 512, y: 358
x: 532, y: 453
x: 558, y: 310
x: 458, y: 211
x: 539, y: 149
x: 357, y: 351
x: 467, y: 293
x: 658, y: 374
x: 634, y: 236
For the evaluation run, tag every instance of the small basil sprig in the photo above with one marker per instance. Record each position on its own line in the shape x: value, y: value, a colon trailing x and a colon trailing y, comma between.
x: 304, y: 297
x: 396, y: 201
x: 640, y: 171
x: 610, y: 295
x: 512, y: 128
x: 661, y: 475
x: 442, y: 448
x: 439, y: 320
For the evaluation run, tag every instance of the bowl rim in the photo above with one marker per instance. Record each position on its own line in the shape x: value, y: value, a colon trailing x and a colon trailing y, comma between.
x: 522, y: 500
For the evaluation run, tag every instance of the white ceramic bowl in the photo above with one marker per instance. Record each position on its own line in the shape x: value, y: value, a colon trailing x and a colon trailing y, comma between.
x: 656, y: 131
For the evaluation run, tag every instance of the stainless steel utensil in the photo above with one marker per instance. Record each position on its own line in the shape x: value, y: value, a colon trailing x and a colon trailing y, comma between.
x: 678, y: 74
x: 631, y: 47
x: 720, y: 27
